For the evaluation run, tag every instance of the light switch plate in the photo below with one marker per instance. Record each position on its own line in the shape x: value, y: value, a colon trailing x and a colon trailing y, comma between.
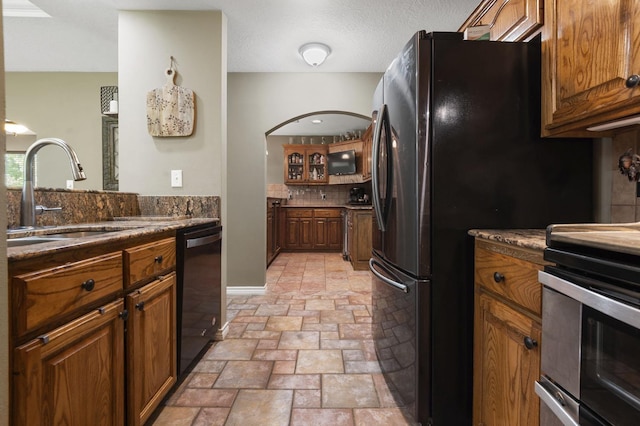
x: 176, y: 178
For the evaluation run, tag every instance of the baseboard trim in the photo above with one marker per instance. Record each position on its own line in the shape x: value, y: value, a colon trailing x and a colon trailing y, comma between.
x: 246, y: 290
x: 221, y: 333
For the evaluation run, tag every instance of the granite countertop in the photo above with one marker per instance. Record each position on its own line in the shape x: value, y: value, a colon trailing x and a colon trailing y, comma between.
x: 325, y: 206
x: 115, y: 230
x: 527, y: 238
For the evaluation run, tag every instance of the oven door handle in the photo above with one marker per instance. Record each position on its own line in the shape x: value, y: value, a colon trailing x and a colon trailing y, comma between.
x: 610, y: 307
x: 561, y: 405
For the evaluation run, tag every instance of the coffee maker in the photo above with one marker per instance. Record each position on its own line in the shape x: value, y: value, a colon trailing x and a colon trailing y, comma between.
x: 358, y: 196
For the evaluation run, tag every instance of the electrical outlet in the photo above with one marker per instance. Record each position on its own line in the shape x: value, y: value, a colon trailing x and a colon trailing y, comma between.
x: 70, y: 184
x: 176, y: 178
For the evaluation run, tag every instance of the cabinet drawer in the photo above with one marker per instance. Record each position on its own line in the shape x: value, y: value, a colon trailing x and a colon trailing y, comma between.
x: 44, y: 296
x: 299, y: 213
x: 515, y: 279
x: 327, y: 213
x: 148, y: 260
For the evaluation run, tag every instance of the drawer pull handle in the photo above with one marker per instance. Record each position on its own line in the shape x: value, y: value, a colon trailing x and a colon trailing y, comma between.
x: 632, y: 81
x: 158, y: 259
x: 498, y: 277
x: 530, y: 343
x: 140, y: 306
x: 88, y: 284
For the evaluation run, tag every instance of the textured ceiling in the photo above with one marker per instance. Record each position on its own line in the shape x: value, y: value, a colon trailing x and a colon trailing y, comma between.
x: 263, y: 35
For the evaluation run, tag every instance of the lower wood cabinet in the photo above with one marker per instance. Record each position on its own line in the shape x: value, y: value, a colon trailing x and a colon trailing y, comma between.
x: 507, y: 335
x: 313, y: 229
x: 151, y: 347
x: 105, y: 352
x: 359, y: 223
x: 74, y: 374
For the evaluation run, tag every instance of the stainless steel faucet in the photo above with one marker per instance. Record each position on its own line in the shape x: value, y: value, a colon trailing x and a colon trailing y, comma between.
x: 27, y: 205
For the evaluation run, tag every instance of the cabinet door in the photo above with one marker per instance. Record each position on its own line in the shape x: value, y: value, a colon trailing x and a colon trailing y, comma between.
x: 592, y: 50
x: 292, y: 233
x: 270, y: 234
x: 73, y: 375
x: 504, y: 369
x: 334, y: 234
x: 362, y: 241
x: 317, y: 169
x: 320, y: 231
x: 307, y: 234
x: 294, y: 164
x: 151, y: 347
x: 509, y: 20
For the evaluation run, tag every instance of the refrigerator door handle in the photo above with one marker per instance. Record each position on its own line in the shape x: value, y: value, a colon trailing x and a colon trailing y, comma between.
x: 399, y: 286
x: 375, y: 152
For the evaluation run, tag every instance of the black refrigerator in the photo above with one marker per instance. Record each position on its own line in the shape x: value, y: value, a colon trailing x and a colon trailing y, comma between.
x: 456, y: 147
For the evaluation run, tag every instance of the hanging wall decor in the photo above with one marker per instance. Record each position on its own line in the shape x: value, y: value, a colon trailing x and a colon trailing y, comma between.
x: 170, y: 108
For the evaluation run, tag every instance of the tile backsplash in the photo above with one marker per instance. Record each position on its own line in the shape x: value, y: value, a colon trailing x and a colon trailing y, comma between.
x: 85, y: 206
x: 313, y: 194
x: 625, y: 206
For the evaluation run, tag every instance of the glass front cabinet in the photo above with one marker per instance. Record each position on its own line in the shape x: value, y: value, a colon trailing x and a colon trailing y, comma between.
x: 305, y: 164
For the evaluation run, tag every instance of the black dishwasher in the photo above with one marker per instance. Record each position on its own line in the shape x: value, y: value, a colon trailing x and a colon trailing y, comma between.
x: 198, y: 293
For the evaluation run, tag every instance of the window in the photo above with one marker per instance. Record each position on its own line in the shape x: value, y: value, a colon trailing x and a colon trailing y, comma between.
x: 14, y: 168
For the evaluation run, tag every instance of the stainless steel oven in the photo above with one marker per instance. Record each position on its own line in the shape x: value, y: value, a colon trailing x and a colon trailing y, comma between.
x: 590, y: 339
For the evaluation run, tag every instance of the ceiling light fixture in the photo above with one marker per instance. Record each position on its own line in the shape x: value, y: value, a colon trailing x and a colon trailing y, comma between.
x: 316, y: 121
x: 13, y: 128
x: 314, y: 54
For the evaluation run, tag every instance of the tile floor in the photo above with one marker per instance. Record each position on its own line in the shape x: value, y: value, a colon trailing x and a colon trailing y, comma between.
x: 301, y: 354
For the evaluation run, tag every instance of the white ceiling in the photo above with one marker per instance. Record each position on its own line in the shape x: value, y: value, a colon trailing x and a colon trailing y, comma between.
x: 263, y: 35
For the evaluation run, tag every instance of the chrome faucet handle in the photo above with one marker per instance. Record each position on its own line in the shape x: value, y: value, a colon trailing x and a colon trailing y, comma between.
x: 41, y: 209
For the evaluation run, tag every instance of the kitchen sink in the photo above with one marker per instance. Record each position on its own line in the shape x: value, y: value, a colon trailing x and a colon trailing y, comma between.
x: 49, y: 237
x: 26, y: 241
x: 75, y: 234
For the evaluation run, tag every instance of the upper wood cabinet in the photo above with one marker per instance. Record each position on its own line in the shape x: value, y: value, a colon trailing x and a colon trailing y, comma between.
x: 305, y: 164
x: 590, y: 49
x: 509, y: 20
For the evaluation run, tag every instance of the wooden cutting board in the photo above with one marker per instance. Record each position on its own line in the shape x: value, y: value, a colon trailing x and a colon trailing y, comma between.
x: 170, y: 109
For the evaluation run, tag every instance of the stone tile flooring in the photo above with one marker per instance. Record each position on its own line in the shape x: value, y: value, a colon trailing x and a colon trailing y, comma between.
x: 301, y: 354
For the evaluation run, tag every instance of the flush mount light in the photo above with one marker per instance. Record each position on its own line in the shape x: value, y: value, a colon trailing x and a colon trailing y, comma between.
x: 314, y: 54
x: 316, y: 121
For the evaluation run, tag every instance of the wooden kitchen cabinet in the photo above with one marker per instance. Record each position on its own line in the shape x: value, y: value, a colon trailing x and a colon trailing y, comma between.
x: 367, y: 146
x: 313, y: 229
x: 73, y: 374
x: 507, y: 334
x: 590, y: 49
x: 69, y: 325
x: 359, y: 224
x: 509, y: 20
x: 151, y: 347
x: 48, y: 297
x: 274, y: 224
x: 305, y: 164
x: 327, y: 224
x: 299, y: 229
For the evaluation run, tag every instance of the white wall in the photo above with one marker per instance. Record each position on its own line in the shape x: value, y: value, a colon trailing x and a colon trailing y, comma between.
x: 257, y: 103
x: 63, y: 105
x: 197, y: 41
